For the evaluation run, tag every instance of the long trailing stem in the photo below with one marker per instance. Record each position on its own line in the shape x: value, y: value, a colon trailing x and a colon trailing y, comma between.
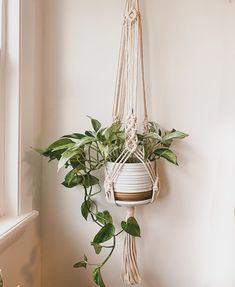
x: 90, y: 152
x: 111, y: 252
x: 119, y: 233
x: 89, y: 209
x: 112, y: 248
x: 95, y: 193
x: 93, y: 215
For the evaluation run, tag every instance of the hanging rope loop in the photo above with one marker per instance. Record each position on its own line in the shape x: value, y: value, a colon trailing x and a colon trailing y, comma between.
x: 130, y: 68
x: 130, y: 78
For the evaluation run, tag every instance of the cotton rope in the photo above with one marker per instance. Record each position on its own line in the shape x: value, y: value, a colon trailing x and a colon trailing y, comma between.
x: 126, y: 94
x: 130, y: 272
x: 130, y: 68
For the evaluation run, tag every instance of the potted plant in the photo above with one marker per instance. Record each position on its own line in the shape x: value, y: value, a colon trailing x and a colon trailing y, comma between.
x: 84, y: 153
x: 1, y: 280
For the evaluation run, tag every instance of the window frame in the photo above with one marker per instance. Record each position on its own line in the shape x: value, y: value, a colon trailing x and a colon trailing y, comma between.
x: 2, y: 105
x: 11, y: 76
x: 17, y: 102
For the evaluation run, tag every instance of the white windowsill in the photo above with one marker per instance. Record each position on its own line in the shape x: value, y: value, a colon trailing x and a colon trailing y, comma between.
x: 11, y: 228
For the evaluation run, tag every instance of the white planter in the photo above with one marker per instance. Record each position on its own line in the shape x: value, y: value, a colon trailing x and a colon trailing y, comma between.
x: 133, y: 185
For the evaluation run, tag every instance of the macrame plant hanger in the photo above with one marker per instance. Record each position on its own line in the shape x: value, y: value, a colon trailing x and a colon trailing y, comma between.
x: 129, y: 84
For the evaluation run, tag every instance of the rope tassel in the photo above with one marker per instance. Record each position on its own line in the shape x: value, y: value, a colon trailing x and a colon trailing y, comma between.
x: 130, y: 271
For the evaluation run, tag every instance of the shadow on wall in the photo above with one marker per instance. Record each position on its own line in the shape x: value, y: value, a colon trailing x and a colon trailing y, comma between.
x: 32, y: 176
x: 27, y: 268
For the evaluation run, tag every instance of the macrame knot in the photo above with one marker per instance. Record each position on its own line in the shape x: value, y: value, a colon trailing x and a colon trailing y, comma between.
x: 109, y: 189
x: 131, y: 134
x: 146, y: 124
x: 156, y: 186
x: 131, y: 16
x: 116, y: 119
x: 131, y: 145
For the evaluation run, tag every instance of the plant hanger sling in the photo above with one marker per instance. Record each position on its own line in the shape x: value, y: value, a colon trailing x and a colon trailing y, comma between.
x: 130, y: 84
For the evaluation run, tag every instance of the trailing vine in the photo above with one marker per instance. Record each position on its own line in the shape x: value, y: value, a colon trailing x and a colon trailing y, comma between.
x: 85, y: 153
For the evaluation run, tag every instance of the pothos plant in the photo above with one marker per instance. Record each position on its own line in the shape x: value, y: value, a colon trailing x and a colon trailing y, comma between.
x: 84, y: 153
x: 1, y: 280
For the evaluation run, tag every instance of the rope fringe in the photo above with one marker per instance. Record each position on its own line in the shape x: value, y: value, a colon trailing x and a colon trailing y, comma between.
x: 130, y: 272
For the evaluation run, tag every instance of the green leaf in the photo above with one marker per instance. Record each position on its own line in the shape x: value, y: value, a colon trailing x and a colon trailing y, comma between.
x: 58, y: 143
x: 174, y: 135
x: 66, y: 157
x: 115, y: 127
x: 154, y: 127
x: 155, y: 136
x: 70, y: 176
x: 105, y: 233
x: 107, y: 217
x: 90, y: 134
x: 97, y: 247
x: 100, y: 135
x: 74, y: 136
x: 167, y: 154
x: 110, y: 133
x: 66, y: 146
x: 82, y: 263
x: 104, y: 150
x: 104, y: 217
x: 1, y: 281
x: 100, y: 218
x: 140, y: 137
x: 85, y: 208
x: 97, y: 277
x: 86, y: 140
x: 131, y: 227
x: 95, y: 124
x: 41, y: 151
x: 54, y: 154
x: 89, y: 180
x: 72, y: 179
x: 149, y: 148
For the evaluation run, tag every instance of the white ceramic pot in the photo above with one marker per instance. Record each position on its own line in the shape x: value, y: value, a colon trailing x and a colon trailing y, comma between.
x: 133, y: 185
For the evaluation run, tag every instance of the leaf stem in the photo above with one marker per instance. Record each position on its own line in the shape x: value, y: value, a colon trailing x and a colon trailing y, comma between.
x: 88, y: 208
x: 111, y: 252
x: 119, y: 233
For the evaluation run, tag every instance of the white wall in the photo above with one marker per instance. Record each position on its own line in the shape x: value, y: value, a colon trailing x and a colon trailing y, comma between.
x: 188, y: 235
x: 21, y: 262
